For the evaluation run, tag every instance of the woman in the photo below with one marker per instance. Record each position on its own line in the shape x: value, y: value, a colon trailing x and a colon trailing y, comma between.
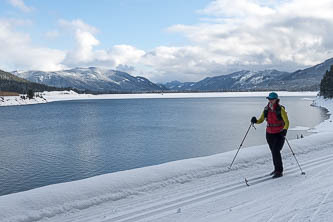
x: 277, y: 126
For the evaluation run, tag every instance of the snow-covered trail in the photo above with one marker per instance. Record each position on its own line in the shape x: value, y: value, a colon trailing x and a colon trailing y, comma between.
x: 225, y: 196
x: 291, y: 198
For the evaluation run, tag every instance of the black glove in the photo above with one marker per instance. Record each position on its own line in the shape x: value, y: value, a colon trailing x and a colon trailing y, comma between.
x: 254, y: 120
x: 284, y: 132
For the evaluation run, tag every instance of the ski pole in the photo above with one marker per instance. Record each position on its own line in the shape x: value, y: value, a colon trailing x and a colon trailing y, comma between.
x: 241, y: 144
x: 303, y: 173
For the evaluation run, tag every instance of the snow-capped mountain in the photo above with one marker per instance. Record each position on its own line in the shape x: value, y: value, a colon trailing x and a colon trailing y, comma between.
x: 12, y: 83
x: 176, y: 85
x: 93, y: 79
x: 103, y: 80
x: 242, y: 80
x: 307, y: 79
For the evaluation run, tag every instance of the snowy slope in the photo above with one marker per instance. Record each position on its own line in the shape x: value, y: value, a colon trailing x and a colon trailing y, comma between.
x: 243, y: 80
x: 92, y: 78
x: 306, y: 79
x: 199, y: 189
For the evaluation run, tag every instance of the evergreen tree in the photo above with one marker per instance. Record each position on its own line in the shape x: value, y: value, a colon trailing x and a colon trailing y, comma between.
x: 30, y: 94
x: 326, y: 84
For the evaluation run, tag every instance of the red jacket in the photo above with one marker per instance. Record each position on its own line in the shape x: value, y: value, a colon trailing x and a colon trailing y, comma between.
x: 274, y: 125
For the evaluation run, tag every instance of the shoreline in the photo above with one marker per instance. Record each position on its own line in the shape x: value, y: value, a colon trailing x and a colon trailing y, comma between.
x: 58, y: 96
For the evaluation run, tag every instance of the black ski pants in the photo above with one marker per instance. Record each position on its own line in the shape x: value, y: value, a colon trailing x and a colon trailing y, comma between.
x: 276, y: 142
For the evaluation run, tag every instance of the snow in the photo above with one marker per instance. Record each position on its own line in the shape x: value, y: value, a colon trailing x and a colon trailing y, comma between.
x: 17, y: 100
x: 198, y: 189
x: 299, y: 128
x: 56, y: 96
x: 257, y: 80
x: 246, y: 77
x: 61, y: 96
x: 71, y: 95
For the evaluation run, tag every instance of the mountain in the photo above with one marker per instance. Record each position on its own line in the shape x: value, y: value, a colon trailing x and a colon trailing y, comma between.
x: 306, y: 79
x: 12, y: 83
x: 6, y: 76
x: 111, y: 81
x: 310, y: 76
x: 92, y: 79
x: 242, y: 80
x: 179, y: 86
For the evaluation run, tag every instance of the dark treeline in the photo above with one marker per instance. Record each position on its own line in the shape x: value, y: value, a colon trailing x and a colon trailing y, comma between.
x: 326, y: 84
x: 24, y: 87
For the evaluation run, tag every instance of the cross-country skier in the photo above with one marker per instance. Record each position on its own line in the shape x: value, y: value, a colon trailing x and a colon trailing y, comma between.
x: 277, y: 126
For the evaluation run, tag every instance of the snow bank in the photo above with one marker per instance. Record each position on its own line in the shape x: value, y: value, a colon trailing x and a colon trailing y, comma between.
x: 57, y: 96
x: 325, y: 126
x: 71, y: 95
x: 17, y: 100
x: 297, y: 128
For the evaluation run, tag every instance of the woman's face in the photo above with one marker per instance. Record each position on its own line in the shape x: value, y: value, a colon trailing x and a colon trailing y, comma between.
x: 272, y: 101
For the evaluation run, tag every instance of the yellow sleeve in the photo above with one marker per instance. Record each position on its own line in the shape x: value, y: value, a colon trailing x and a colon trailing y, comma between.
x: 261, y: 119
x: 285, y: 118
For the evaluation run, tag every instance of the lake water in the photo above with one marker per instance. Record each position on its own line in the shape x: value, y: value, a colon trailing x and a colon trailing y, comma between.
x: 65, y: 141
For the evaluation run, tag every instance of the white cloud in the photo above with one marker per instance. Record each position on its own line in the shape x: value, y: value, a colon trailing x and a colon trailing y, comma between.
x: 20, y: 5
x: 259, y: 34
x: 85, y: 54
x: 17, y: 51
x: 77, y: 24
x: 234, y: 8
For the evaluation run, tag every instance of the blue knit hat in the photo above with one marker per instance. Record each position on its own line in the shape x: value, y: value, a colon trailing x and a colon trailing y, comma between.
x: 272, y: 95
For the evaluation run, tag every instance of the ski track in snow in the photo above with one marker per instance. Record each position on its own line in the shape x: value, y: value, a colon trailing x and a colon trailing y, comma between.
x: 217, y: 192
x: 157, y: 208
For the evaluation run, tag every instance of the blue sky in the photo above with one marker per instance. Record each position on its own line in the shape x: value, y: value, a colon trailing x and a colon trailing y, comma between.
x: 142, y: 23
x: 165, y: 40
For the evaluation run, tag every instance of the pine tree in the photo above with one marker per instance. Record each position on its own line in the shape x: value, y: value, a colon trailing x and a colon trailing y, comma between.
x: 326, y: 84
x: 30, y: 94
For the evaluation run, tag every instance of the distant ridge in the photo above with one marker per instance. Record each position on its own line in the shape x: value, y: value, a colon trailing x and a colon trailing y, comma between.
x: 12, y: 83
x: 300, y: 80
x: 99, y: 80
x: 93, y: 79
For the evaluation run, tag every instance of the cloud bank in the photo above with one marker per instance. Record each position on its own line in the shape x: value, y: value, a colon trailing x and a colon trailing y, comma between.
x: 233, y: 35
x: 17, y: 51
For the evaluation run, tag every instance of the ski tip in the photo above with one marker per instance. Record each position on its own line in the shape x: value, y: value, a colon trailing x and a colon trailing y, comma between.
x: 246, y: 182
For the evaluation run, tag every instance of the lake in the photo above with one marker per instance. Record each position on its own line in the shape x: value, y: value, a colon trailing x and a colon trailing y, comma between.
x: 71, y: 140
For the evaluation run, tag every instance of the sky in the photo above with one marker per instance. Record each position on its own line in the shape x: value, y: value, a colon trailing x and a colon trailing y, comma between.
x: 165, y: 40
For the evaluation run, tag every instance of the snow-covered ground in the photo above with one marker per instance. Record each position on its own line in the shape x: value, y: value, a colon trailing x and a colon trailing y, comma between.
x: 199, y: 189
x: 17, y: 101
x: 59, y: 96
x: 71, y: 95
